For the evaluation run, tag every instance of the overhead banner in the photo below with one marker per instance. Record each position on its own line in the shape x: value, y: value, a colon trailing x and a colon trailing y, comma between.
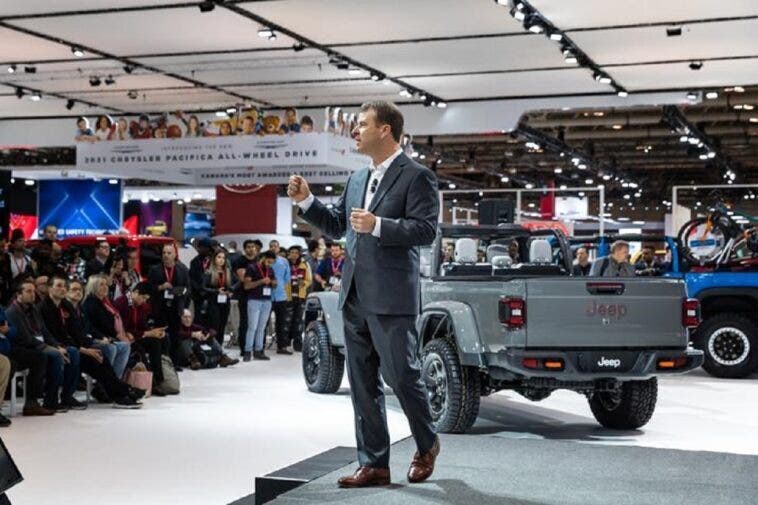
x: 321, y: 157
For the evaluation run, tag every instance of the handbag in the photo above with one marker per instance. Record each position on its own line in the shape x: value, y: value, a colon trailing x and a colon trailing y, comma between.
x: 206, y: 355
x: 140, y: 379
x: 170, y: 382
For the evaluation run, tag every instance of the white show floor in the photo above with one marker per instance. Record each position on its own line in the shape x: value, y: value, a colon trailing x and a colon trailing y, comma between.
x: 206, y: 445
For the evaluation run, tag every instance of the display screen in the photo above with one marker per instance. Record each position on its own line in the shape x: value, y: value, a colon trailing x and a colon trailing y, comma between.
x: 80, y: 207
x: 197, y: 224
x: 25, y: 222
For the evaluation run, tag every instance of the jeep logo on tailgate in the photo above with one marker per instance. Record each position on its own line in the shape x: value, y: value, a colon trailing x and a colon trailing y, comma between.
x: 604, y: 362
x: 611, y: 310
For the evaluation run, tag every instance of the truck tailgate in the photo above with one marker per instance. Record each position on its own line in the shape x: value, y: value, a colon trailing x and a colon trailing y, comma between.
x: 604, y: 312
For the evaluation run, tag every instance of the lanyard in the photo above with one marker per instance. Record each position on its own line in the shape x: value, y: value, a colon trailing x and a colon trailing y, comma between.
x: 221, y: 280
x: 135, y: 315
x: 336, y: 269
x: 170, y: 278
x: 20, y: 268
x: 262, y: 272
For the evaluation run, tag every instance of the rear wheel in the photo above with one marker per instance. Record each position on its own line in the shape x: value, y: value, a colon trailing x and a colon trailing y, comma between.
x: 629, y: 408
x: 323, y: 364
x: 729, y: 342
x: 453, y: 390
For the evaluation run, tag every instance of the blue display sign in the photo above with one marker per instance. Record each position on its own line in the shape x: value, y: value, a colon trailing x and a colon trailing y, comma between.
x: 79, y: 207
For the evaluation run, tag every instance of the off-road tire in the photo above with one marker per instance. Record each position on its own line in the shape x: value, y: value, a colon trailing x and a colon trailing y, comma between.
x: 630, y: 408
x: 323, y: 364
x: 730, y: 344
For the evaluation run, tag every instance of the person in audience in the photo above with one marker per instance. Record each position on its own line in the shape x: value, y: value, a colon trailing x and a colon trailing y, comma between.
x: 291, y: 124
x: 62, y: 361
x: 217, y: 289
x: 21, y: 263
x: 583, y: 266
x: 117, y: 276
x: 149, y: 337
x: 615, y: 264
x: 279, y: 302
x: 105, y: 128
x: 306, y: 124
x: 61, y: 319
x: 251, y: 249
x: 74, y: 264
x: 170, y: 280
x: 122, y: 130
x: 133, y: 276
x: 50, y: 232
x: 313, y: 260
x: 142, y: 129
x: 42, y: 260
x: 197, y: 268
x: 6, y: 277
x: 40, y: 289
x: 232, y: 252
x: 193, y: 341
x: 83, y: 132
x: 97, y: 264
x: 514, y: 251
x: 297, y: 290
x: 105, y: 324
x: 259, y: 282
x: 329, y: 273
x: 25, y: 354
x: 648, y: 266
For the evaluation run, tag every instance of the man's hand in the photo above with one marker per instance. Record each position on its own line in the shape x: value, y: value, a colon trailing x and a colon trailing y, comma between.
x: 197, y: 335
x: 298, y: 189
x: 267, y: 281
x: 64, y: 353
x: 362, y: 220
x: 95, y: 354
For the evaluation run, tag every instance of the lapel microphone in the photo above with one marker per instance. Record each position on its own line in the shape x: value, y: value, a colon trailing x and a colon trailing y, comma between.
x: 373, y: 187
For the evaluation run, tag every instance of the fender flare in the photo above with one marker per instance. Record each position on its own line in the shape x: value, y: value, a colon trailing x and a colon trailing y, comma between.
x: 465, y: 329
x: 324, y: 306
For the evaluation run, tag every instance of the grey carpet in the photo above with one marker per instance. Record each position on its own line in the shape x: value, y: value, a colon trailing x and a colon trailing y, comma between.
x: 483, y: 470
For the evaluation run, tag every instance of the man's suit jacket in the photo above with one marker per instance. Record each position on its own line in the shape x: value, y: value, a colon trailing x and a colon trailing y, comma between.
x: 385, y: 270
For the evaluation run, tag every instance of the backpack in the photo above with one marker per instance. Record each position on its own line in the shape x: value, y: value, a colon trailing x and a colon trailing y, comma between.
x: 170, y: 382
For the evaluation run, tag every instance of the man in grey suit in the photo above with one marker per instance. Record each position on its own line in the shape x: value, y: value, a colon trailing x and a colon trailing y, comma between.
x: 386, y: 212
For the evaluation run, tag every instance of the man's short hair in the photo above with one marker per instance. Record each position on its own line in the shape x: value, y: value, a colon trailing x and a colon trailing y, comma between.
x: 268, y: 254
x: 618, y: 245
x: 258, y: 243
x: 312, y: 245
x: 247, y: 242
x: 335, y: 244
x: 295, y: 248
x: 143, y: 288
x: 51, y: 280
x: 581, y: 249
x: 648, y: 248
x: 20, y: 284
x: 387, y: 113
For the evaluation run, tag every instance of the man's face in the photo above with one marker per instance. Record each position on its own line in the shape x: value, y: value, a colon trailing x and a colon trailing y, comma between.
x: 368, y: 134
x: 19, y: 245
x: 138, y: 298
x: 58, y: 289
x: 27, y: 293
x: 648, y: 255
x: 104, y: 249
x: 187, y: 318
x: 169, y: 254
x: 250, y: 250
x: 41, y: 286
x: 582, y: 256
x: 336, y: 251
x: 620, y: 254
x: 75, y: 292
x: 274, y: 246
x: 51, y: 233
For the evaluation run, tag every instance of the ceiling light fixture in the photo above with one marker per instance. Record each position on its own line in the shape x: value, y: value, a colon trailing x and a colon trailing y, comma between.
x: 128, y: 69
x: 623, y: 94
x: 70, y: 104
x: 207, y: 6
x: 556, y: 36
x: 534, y: 24
x: 405, y: 93
x: 19, y: 93
x: 298, y: 46
x: 30, y: 69
x: 132, y: 94
x: 266, y: 33
x: 110, y: 80
x: 12, y: 69
x: 696, y: 65
x: 78, y: 52
x: 35, y: 97
x: 94, y: 81
x: 711, y: 95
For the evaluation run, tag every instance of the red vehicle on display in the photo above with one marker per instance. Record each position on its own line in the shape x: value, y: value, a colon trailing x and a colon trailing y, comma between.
x: 148, y: 247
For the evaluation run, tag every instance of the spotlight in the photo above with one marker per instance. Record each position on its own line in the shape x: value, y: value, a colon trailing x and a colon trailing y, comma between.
x: 601, y: 77
x: 692, y: 96
x: 623, y: 94
x: 30, y: 69
x: 94, y: 81
x: 711, y: 95
x: 534, y: 24
x: 405, y: 93
x: 128, y: 69
x: 29, y: 182
x: 110, y: 80
x: 519, y: 15
x: 298, y: 46
x: 441, y: 105
x: 12, y: 69
x: 569, y: 55
x: 377, y: 77
x: 501, y: 2
x: 556, y: 36
x: 207, y: 6
x: 19, y: 93
x: 70, y: 104
x: 696, y: 65
x: 78, y: 52
x: 355, y: 71
x: 266, y: 33
x: 35, y: 97
x: 343, y: 65
x: 674, y: 31
x: 132, y: 94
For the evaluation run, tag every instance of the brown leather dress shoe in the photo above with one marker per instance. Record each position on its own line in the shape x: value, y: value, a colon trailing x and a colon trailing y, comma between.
x: 422, y: 467
x: 366, y: 476
x: 37, y: 410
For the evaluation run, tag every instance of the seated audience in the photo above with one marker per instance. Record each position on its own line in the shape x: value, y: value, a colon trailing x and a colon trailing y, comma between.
x: 97, y: 264
x: 133, y: 276
x: 5, y: 376
x: 105, y: 324
x: 74, y: 265
x: 195, y: 341
x: 21, y: 263
x: 117, y: 277
x: 63, y: 321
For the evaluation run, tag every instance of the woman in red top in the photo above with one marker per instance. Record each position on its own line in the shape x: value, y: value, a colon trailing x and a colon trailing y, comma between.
x: 217, y: 288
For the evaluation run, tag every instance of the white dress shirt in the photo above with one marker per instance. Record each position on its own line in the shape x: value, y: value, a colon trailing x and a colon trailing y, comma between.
x: 377, y: 173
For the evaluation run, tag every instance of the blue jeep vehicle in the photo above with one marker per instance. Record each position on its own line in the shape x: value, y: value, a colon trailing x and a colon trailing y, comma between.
x: 722, y: 273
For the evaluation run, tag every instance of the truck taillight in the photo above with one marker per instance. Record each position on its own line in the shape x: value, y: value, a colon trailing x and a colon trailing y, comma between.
x: 690, y: 313
x: 512, y: 312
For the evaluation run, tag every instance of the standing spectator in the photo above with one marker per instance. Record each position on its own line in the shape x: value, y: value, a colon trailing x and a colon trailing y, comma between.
x: 83, y: 132
x: 648, y: 266
x: 150, y: 339
x: 279, y: 302
x: 21, y: 264
x: 170, y: 280
x: 329, y: 274
x: 234, y: 254
x: 105, y: 128
x: 5, y: 273
x: 74, y: 265
x: 117, y: 276
x: 583, y: 265
x: 249, y: 258
x: 193, y: 337
x: 105, y: 324
x: 616, y: 264
x: 197, y: 268
x: 291, y: 124
x: 314, y: 260
x: 50, y: 232
x: 25, y: 355
x: 133, y: 276
x: 217, y: 289
x: 62, y: 362
x: 60, y: 318
x: 97, y: 264
x: 306, y: 124
x: 122, y: 130
x: 259, y: 283
x: 297, y: 291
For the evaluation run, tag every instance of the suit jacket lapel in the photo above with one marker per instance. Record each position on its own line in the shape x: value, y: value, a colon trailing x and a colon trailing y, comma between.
x: 387, y: 181
x: 358, y: 190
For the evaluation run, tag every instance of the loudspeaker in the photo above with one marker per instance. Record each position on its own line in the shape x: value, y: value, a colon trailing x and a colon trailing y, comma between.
x: 496, y: 212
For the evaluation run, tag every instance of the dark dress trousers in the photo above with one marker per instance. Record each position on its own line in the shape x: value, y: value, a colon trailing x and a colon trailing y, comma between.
x: 380, y: 299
